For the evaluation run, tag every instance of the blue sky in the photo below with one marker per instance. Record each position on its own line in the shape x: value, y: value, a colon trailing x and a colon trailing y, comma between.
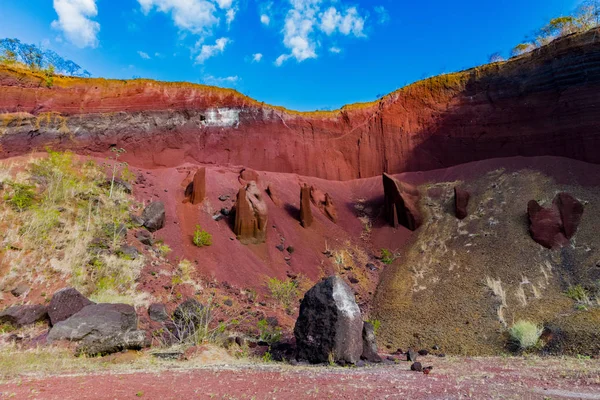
x: 302, y: 54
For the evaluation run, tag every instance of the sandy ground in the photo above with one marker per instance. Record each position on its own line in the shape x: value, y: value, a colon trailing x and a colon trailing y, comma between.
x: 451, y: 378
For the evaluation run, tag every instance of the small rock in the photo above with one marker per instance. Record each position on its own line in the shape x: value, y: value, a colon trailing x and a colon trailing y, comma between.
x: 427, y: 370
x: 145, y: 237
x: 423, y: 352
x: 19, y: 316
x: 436, y: 347
x: 217, y: 217
x: 290, y: 249
x: 20, y: 290
x: 411, y: 355
x: 441, y: 355
x: 154, y: 216
x: 158, y: 312
x: 223, y: 197
x: 136, y: 220
x: 416, y: 366
x: 280, y: 247
x: 228, y: 303
x: 225, y: 211
x: 128, y: 252
x: 371, y: 267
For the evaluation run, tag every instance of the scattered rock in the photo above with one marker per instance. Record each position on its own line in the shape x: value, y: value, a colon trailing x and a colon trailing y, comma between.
x: 461, y: 202
x: 96, y: 322
x: 251, y: 215
x: 290, y: 249
x: 228, y: 302
x: 423, y: 352
x: 188, y: 317
x: 329, y: 322
x: 223, y: 197
x: 136, y: 220
x: 416, y: 366
x: 20, y: 290
x: 371, y: 267
x: 121, y: 184
x: 145, y: 237
x: 225, y: 211
x: 199, y: 186
x: 369, y: 352
x: 554, y: 226
x: 158, y: 312
x: 19, y: 316
x: 306, y: 218
x: 411, y: 355
x: 427, y: 370
x: 280, y: 247
x: 128, y: 252
x: 401, y: 203
x: 66, y: 303
x: 154, y: 216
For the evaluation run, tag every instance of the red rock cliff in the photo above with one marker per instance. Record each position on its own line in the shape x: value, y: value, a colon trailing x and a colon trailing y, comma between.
x: 542, y: 103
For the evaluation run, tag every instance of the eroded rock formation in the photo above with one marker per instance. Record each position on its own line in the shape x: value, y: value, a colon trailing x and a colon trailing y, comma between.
x: 329, y: 324
x: 401, y: 203
x: 542, y: 103
x: 306, y: 217
x: 324, y: 203
x: 199, y: 186
x: 251, y: 215
x: 461, y: 203
x: 554, y: 226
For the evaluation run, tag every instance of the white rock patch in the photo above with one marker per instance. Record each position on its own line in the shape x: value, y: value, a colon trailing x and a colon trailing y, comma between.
x: 345, y: 301
x: 222, y: 117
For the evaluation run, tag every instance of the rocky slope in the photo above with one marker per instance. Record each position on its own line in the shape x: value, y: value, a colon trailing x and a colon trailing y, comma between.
x: 542, y: 103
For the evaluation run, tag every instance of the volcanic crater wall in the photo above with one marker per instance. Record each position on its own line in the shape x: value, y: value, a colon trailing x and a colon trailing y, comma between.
x: 542, y: 103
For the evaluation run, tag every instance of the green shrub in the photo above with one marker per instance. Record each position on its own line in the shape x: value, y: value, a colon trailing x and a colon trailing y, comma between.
x: 22, y: 196
x: 286, y: 292
x: 525, y: 333
x: 578, y: 293
x: 268, y: 333
x: 376, y: 324
x: 387, y: 257
x: 201, y: 237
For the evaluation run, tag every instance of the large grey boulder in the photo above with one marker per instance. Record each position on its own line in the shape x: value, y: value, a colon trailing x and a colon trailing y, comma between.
x: 65, y: 303
x: 330, y: 324
x: 19, y: 316
x: 96, y: 321
x: 154, y: 216
x: 131, y: 340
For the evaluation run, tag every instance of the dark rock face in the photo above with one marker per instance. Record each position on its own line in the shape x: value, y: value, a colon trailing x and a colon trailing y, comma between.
x: 145, y: 237
x: 20, y: 290
x: 306, y: 217
x: 369, y: 344
x: 401, y: 203
x: 188, y: 317
x: 66, y: 303
x: 130, y: 340
x: 129, y: 252
x: 554, y: 226
x: 96, y: 322
x: 416, y: 366
x: 330, y: 323
x: 19, y: 316
x: 158, y: 312
x: 199, y: 186
x: 251, y: 215
x: 154, y: 216
x: 461, y: 203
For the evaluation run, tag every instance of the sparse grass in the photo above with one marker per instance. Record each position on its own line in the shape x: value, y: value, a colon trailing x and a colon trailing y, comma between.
x: 268, y: 333
x: 579, y: 294
x: 201, y: 237
x: 65, y: 224
x: 525, y: 333
x: 387, y: 257
x: 376, y: 324
x: 285, y: 292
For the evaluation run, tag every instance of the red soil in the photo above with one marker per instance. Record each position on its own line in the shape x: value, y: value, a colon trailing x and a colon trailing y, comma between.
x: 450, y: 379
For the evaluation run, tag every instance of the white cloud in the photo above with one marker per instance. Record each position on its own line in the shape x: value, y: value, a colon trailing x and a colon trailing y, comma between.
x: 199, y: 17
x: 383, y: 17
x: 75, y: 21
x: 144, y: 55
x: 335, y: 50
x: 257, y: 57
x: 265, y: 19
x: 208, y: 51
x: 230, y: 81
x: 307, y: 20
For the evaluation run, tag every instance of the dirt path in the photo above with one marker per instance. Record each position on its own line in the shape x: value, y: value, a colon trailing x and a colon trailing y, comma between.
x: 485, y: 378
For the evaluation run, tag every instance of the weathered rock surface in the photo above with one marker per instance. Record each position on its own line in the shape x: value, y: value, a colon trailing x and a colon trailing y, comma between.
x: 401, y: 203
x: 199, y: 186
x: 248, y: 175
x: 329, y: 323
x: 539, y: 104
x: 66, y: 303
x: 369, y: 352
x: 188, y: 317
x: 306, y: 217
x: 273, y: 195
x: 96, y: 322
x: 324, y: 203
x: 158, y: 312
x: 99, y: 346
x: 554, y: 226
x: 154, y: 216
x: 145, y: 237
x: 251, y: 215
x: 461, y: 203
x: 19, y: 316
